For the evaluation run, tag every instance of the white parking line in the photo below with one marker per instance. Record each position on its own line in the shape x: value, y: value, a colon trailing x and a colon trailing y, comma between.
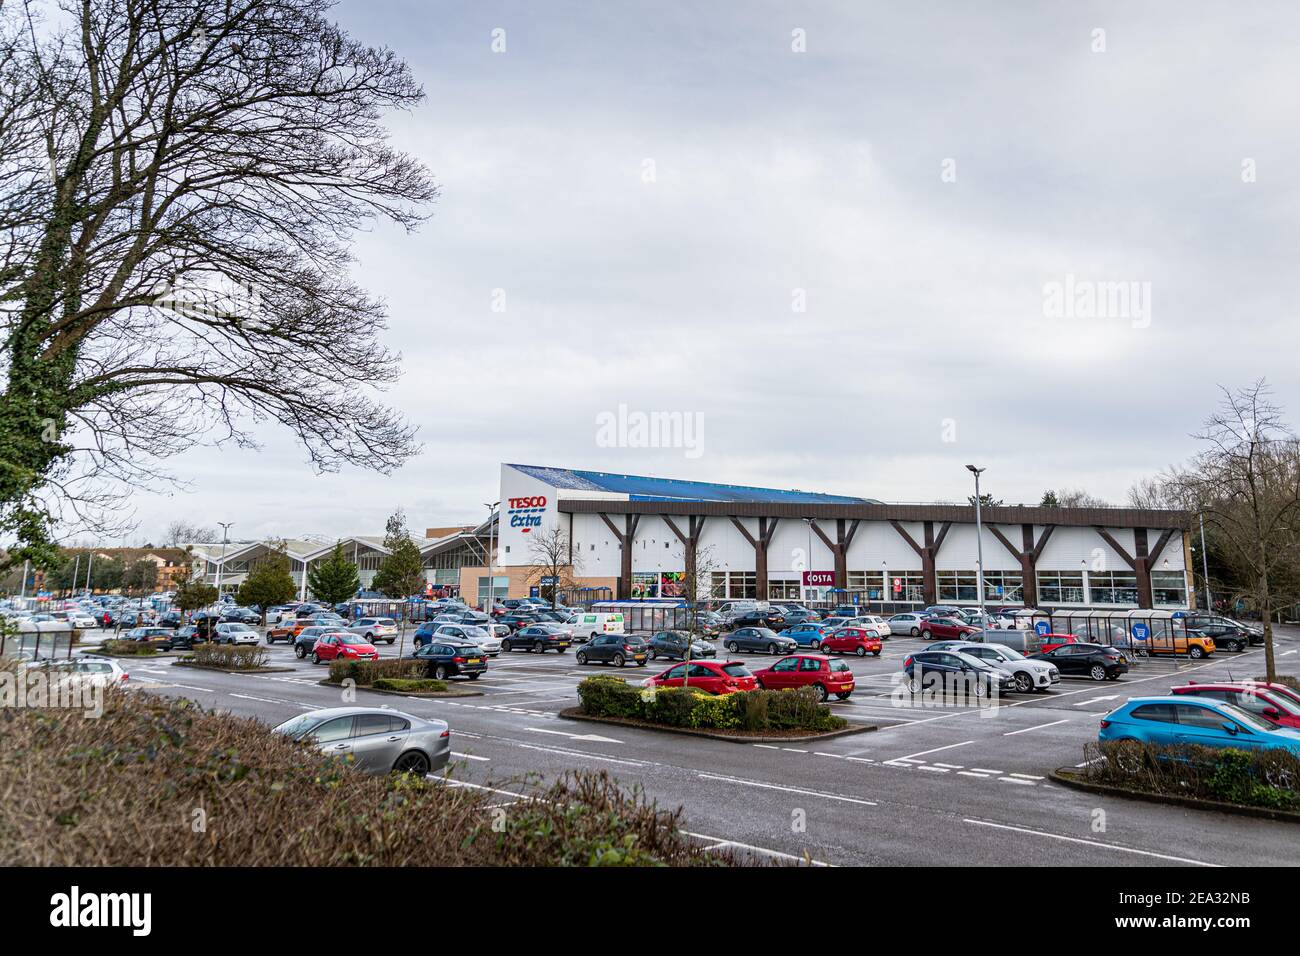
x: 1035, y: 727
x: 922, y: 753
x: 1104, y: 846
x: 772, y: 786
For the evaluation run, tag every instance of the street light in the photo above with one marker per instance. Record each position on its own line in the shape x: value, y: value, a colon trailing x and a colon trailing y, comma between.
x: 491, y: 600
x: 979, y: 547
x: 225, y: 539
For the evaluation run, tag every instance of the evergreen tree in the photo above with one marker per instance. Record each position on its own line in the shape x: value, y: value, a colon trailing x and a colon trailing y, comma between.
x: 269, y: 583
x: 335, y: 579
x: 193, y: 595
x: 401, y: 573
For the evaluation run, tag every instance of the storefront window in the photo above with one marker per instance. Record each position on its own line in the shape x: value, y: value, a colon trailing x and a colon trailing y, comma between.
x: 1003, y: 587
x: 958, y: 586
x: 907, y: 586
x: 1112, y: 587
x: 1169, y: 588
x: 1060, y: 587
x: 870, y: 584
x: 783, y: 589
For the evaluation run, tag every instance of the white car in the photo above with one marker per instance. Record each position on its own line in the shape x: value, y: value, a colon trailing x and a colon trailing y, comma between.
x: 82, y: 621
x: 376, y: 629
x: 488, y: 644
x: 870, y: 623
x: 94, y: 671
x: 235, y: 634
x: 1029, y: 675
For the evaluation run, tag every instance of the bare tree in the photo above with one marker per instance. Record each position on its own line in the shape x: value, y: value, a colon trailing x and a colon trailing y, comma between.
x: 697, y: 580
x: 553, y: 566
x: 180, y: 533
x: 179, y: 183
x: 1247, y: 484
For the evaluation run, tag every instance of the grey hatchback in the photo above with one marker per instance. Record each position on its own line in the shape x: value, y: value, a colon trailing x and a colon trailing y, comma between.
x: 375, y: 741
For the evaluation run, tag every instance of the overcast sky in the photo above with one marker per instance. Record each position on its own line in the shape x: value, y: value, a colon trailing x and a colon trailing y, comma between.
x: 657, y: 187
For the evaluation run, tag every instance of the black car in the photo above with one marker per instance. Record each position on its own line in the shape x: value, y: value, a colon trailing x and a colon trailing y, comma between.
x: 759, y: 639
x: 171, y: 619
x: 762, y: 618
x: 537, y: 638
x: 517, y: 620
x: 306, y: 640
x: 1214, y: 625
x: 616, y: 649
x: 799, y: 615
x: 443, y: 659
x: 184, y: 639
x: 673, y: 644
x: 1228, y: 636
x: 241, y: 615
x: 953, y: 669
x: 1086, y: 660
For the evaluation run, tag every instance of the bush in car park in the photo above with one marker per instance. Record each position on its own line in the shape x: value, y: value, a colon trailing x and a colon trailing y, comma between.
x: 408, y: 686
x: 760, y: 710
x: 365, y: 673
x: 233, y: 657
x: 151, y: 759
x: 1268, y: 778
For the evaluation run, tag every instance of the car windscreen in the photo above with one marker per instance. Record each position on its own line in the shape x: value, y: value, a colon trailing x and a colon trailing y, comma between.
x: 839, y: 666
x: 295, y: 727
x: 1008, y: 652
x: 1249, y: 719
x: 351, y: 639
x: 735, y: 670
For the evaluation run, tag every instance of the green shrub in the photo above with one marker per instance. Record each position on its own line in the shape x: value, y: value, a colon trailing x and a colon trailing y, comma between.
x: 130, y: 648
x: 799, y: 709
x: 606, y: 696
x: 365, y: 673
x: 234, y: 657
x: 755, y: 711
x: 1258, y: 778
x: 410, y: 686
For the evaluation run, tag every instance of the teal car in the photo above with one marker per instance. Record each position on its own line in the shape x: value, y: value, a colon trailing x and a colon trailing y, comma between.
x: 808, y: 635
x: 1185, y: 721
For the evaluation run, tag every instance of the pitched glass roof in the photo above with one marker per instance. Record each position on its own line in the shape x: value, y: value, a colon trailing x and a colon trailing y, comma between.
x: 641, y: 488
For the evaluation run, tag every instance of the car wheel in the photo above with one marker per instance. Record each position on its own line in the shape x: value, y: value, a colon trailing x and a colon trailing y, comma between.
x: 771, y: 649
x: 412, y: 762
x: 654, y: 655
x: 1128, y: 756
x: 1024, y: 683
x: 1196, y: 653
x: 505, y: 646
x: 915, y: 632
x: 474, y: 676
x: 927, y: 635
x: 1097, y: 672
x: 816, y: 645
x: 914, y: 685
x: 875, y: 653
x: 1238, y: 647
x: 315, y: 658
x: 821, y: 692
x: 981, y: 689
x: 539, y: 647
x: 862, y: 651
x: 581, y: 657
x: 440, y: 672
x: 733, y: 646
x: 844, y: 696
x: 391, y: 640
x: 618, y: 660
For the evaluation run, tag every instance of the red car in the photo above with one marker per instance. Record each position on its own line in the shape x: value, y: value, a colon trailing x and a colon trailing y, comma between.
x: 1050, y: 642
x: 342, y: 646
x: 715, y: 677
x: 809, y: 670
x: 851, y: 640
x: 946, y: 627
x: 1276, y: 703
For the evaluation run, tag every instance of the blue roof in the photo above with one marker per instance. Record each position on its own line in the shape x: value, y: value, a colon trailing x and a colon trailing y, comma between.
x: 640, y: 488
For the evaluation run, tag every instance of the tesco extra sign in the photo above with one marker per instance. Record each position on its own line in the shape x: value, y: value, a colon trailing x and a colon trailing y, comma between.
x: 526, y: 513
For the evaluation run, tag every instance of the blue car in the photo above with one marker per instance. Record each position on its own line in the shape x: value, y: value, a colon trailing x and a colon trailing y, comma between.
x: 807, y: 635
x: 1194, y: 721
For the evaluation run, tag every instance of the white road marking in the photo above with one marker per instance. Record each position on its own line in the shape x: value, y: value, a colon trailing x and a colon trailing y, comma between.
x: 469, y: 756
x: 1024, y: 783
x: 935, y: 750
x: 1027, y: 776
x: 593, y: 738
x: 772, y: 786
x: 757, y: 849
x: 1094, y: 700
x: 1026, y: 730
x: 1096, y: 843
x: 972, y: 773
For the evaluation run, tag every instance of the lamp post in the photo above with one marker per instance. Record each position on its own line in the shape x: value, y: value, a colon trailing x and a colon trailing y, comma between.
x: 225, y: 539
x: 490, y: 602
x: 979, y: 547
x: 1205, y: 564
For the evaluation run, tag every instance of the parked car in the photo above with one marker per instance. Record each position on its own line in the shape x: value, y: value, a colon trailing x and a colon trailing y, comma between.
x: 941, y: 610
x: 306, y: 640
x: 342, y: 646
x: 673, y: 645
x: 875, y: 622
x: 1184, y: 720
x: 490, y: 645
x: 1086, y: 660
x: 586, y: 625
x: 947, y: 627
x: 149, y: 635
x: 235, y: 634
x: 241, y: 615
x: 1050, y: 642
x: 444, y: 659
x: 1029, y: 674
x: 184, y: 638
x: 1228, y: 636
x: 791, y: 616
x: 375, y: 629
x: 374, y: 741
x: 1200, y: 621
x: 1192, y: 644
x: 708, y: 623
x: 957, y: 671
x: 616, y: 649
x: 712, y: 677
x: 808, y: 635
x: 81, y: 671
x: 842, y: 613
x: 909, y: 622
x: 807, y: 670
x: 1275, y: 703
x: 768, y: 617
x: 851, y: 640
x: 759, y: 639
x: 538, y: 638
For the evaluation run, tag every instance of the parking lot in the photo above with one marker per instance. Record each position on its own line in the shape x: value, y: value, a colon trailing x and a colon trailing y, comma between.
x: 944, y: 783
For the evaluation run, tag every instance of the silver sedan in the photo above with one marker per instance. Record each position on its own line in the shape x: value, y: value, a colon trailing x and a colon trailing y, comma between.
x: 373, y: 740
x: 487, y: 643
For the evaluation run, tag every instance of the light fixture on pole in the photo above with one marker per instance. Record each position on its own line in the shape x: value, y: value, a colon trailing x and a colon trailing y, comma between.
x: 979, y: 547
x: 1205, y: 563
x: 225, y: 539
x: 491, y: 600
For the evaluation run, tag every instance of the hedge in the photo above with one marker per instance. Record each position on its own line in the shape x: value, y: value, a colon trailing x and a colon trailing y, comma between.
x: 130, y: 648
x: 1255, y: 778
x: 236, y: 657
x: 365, y: 673
x: 408, y: 686
x: 755, y: 711
x: 160, y: 781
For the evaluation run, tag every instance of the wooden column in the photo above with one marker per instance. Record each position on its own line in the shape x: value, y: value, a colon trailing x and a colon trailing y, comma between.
x: 625, y: 538
x: 927, y: 552
x: 766, y: 528
x: 690, y: 548
x: 844, y: 532
x: 1027, y: 554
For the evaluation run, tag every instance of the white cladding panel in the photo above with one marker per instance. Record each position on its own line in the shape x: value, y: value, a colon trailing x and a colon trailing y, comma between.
x: 1074, y: 549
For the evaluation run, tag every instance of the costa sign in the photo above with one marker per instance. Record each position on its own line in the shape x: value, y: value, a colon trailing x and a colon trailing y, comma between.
x: 818, y: 579
x: 526, y: 513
